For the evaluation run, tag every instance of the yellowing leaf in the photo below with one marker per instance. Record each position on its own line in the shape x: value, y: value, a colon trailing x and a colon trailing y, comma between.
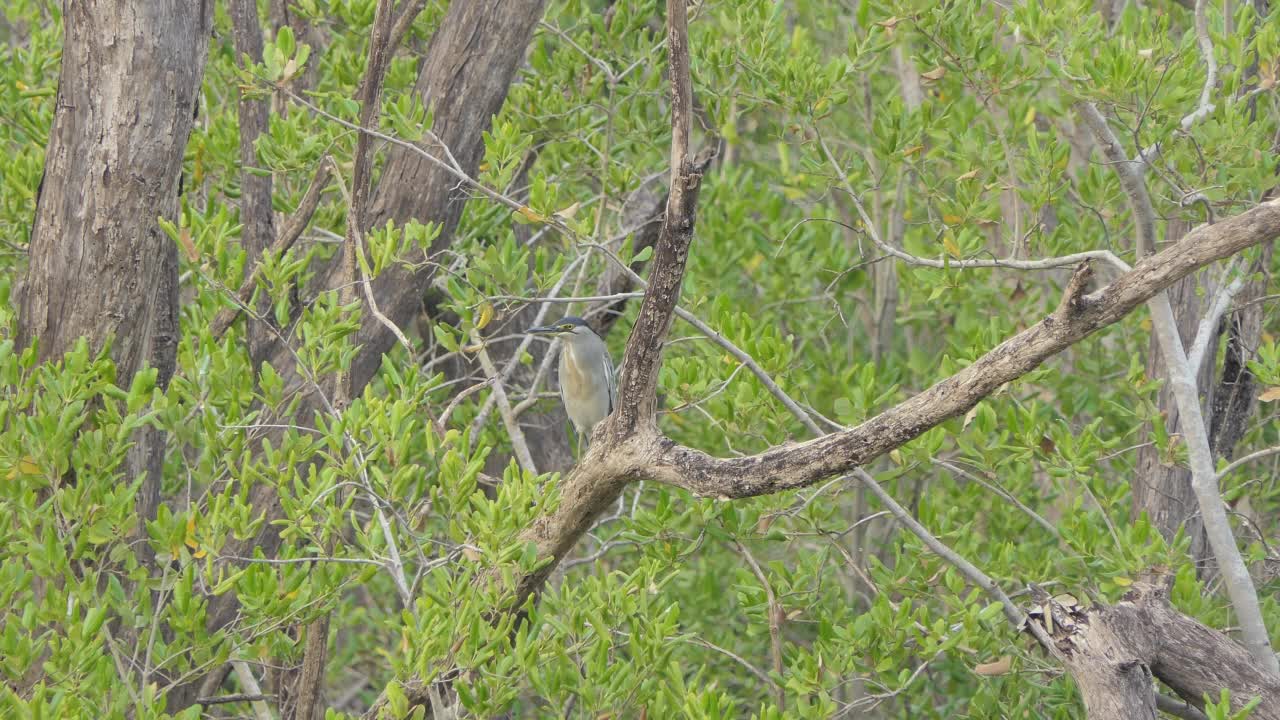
x: 969, y: 175
x: 529, y: 214
x: 1030, y: 116
x: 486, y: 315
x: 896, y: 456
x: 952, y: 219
x: 890, y: 23
x: 912, y: 150
x: 25, y: 466
x: 199, y: 554
x: 191, y: 533
x: 951, y: 247
x: 1122, y: 581
x: 1270, y: 395
x: 934, y: 74
x: 753, y: 263
x: 998, y: 667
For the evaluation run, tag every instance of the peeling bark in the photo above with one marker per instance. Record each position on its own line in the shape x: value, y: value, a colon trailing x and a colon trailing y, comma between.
x: 1114, y: 651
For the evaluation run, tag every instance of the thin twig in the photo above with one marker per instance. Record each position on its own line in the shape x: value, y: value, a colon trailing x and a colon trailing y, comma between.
x: 1130, y: 174
x: 285, y: 240
x: 1205, y: 107
x: 1239, y: 462
x: 357, y: 239
x: 233, y: 698
x: 728, y: 346
x: 869, y: 227
x: 775, y: 621
x: 995, y: 488
x: 762, y: 675
x: 1015, y: 616
x: 518, y: 443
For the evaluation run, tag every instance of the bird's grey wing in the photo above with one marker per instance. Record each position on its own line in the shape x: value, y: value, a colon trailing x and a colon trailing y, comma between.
x: 562, y: 373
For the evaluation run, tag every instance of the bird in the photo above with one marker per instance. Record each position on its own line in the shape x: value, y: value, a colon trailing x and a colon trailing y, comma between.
x: 587, y: 385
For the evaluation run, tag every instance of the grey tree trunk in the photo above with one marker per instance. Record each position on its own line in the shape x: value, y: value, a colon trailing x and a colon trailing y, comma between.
x: 1162, y: 487
x: 100, y: 266
x: 472, y: 59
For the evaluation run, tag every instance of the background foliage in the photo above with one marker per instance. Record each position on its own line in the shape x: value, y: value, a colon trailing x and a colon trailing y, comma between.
x: 665, y: 610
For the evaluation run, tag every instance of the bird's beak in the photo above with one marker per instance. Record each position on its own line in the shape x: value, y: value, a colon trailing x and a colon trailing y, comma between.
x: 543, y: 330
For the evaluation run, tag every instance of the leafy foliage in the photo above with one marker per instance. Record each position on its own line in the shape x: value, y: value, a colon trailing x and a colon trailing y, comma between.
x: 659, y: 612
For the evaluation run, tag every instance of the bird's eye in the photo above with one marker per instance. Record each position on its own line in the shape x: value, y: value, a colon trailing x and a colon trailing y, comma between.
x: 566, y: 327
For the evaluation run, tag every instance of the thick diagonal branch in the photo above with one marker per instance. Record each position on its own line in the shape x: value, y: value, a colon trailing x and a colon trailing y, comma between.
x: 794, y: 466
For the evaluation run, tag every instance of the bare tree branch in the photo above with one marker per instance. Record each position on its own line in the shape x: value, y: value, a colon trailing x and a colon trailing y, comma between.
x: 637, y: 398
x: 1130, y: 174
x: 504, y: 406
x: 1148, y: 155
x: 250, y: 683
x: 794, y: 466
x: 1208, y: 330
x: 1204, y: 481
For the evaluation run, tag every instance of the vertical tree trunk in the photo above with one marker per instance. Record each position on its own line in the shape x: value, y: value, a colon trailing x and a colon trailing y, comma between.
x: 100, y: 266
x: 471, y: 62
x: 255, y: 189
x: 1162, y: 488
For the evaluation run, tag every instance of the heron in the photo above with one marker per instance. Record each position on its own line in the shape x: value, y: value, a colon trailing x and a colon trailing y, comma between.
x: 587, y: 386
